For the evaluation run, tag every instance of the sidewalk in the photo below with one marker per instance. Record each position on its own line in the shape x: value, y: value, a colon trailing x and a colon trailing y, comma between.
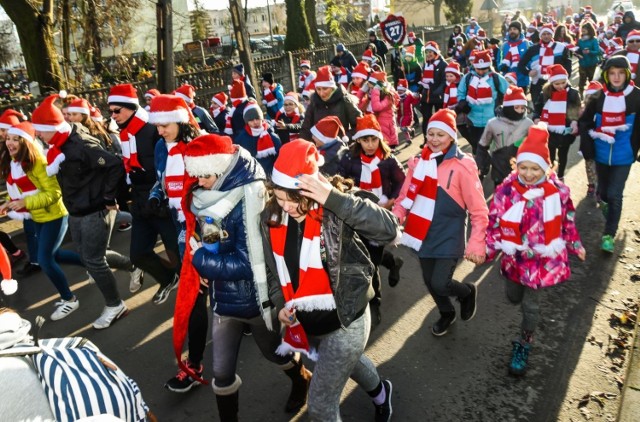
x: 630, y: 402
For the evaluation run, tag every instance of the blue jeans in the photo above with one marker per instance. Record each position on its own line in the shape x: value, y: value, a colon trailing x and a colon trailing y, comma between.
x: 611, y: 181
x: 49, y: 237
x: 29, y: 227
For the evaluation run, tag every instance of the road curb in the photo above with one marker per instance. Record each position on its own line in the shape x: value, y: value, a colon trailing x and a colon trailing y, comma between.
x: 630, y: 400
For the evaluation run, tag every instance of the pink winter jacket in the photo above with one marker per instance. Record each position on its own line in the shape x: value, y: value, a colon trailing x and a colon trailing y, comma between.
x: 405, y: 109
x: 459, y: 194
x: 384, y: 111
x: 527, y: 267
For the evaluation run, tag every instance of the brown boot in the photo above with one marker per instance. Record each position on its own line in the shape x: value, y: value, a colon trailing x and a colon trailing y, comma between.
x: 300, y: 379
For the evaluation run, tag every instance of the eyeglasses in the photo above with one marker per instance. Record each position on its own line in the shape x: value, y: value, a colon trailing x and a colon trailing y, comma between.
x: 115, y: 110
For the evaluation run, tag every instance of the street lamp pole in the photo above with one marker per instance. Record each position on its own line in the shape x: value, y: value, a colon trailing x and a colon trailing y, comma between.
x: 269, y: 15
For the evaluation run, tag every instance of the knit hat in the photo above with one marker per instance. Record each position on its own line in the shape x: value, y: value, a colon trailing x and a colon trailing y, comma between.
x: 517, y: 25
x: 482, y: 60
x: 220, y: 99
x: 151, y: 93
x: 362, y: 70
x: 547, y: 27
x: 535, y: 147
x: 453, y: 67
x: 239, y: 69
x: 482, y: 34
x: 268, y: 77
x: 96, y: 115
x: 378, y: 78
x: 339, y: 47
x: 633, y: 35
x: 411, y: 36
x: 557, y: 72
x: 305, y: 63
x: 368, y: 125
x: 328, y: 129
x: 237, y: 91
x: 252, y: 111
x: 512, y: 78
x: 296, y: 158
x: 403, y: 85
x: 514, y: 97
x: 24, y: 130
x: 124, y: 95
x: 324, y: 78
x: 11, y: 117
x: 186, y: 92
x: 79, y: 105
x: 410, y: 51
x: 209, y: 154
x: 444, y: 119
x: 433, y: 46
x: 367, y: 55
x: 593, y: 87
x: 48, y: 118
x: 170, y: 109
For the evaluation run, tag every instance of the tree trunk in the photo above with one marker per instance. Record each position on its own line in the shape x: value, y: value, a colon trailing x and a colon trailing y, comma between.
x: 437, y: 7
x: 244, y: 47
x: 66, y: 46
x: 94, y: 41
x: 35, y: 30
x: 296, y: 18
x: 310, y: 12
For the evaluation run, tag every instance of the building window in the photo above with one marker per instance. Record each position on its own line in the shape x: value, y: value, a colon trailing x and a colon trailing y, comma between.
x: 263, y: 17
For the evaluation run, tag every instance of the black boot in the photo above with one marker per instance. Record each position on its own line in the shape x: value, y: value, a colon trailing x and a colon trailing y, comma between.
x: 228, y: 407
x: 300, y: 379
x: 442, y: 325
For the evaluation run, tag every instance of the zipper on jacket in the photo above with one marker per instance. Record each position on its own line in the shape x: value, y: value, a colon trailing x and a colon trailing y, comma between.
x: 449, y: 180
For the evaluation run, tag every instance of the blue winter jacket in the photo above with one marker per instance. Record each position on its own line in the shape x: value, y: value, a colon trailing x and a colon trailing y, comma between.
x: 523, y: 78
x: 273, y: 109
x: 481, y: 113
x: 593, y: 57
x: 229, y: 272
x: 205, y: 121
x: 250, y: 143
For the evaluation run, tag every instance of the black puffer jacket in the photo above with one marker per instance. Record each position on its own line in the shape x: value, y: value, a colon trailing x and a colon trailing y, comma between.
x: 391, y: 173
x: 341, y: 104
x: 345, y: 219
x: 625, y: 28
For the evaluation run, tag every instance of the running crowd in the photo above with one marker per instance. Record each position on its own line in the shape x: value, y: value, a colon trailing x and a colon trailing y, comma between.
x: 279, y: 214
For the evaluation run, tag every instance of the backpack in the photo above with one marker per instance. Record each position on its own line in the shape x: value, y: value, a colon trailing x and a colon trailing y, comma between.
x: 80, y: 381
x: 496, y: 84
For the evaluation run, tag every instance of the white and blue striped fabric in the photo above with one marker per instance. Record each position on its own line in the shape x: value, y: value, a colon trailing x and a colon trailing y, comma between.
x: 81, y: 382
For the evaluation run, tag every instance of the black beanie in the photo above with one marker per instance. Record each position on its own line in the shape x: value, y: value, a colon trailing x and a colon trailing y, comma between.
x: 268, y: 77
x: 517, y: 25
x: 335, y: 62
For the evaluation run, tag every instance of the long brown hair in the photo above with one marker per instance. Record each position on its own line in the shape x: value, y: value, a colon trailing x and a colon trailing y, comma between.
x: 97, y: 130
x: 356, y: 149
x: 27, y: 156
x: 274, y: 210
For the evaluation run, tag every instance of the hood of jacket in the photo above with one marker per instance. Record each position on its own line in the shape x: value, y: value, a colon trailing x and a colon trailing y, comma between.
x: 244, y: 171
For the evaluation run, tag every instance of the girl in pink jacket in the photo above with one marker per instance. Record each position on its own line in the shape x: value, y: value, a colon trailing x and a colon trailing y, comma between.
x: 441, y: 189
x: 532, y: 221
x: 408, y: 100
x: 384, y: 102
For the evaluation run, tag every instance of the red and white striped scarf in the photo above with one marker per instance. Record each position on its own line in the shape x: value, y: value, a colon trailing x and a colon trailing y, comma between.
x: 547, y: 56
x: 421, y: 200
x: 55, y: 157
x: 294, y: 117
x: 269, y: 97
x: 19, y: 187
x: 265, y: 143
x: 305, y: 79
x: 314, y: 288
x: 511, y: 230
x: 175, y: 175
x: 450, y: 95
x: 235, y: 102
x: 554, y: 112
x: 614, y: 115
x: 633, y: 57
x: 354, y: 89
x: 428, y: 74
x: 128, y: 140
x: 479, y: 90
x: 370, y: 178
x: 216, y: 111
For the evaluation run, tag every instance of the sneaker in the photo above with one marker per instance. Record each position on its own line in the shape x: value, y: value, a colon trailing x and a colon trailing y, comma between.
x: 135, y: 283
x: 394, y: 273
x: 591, y: 190
x: 442, y: 325
x: 28, y: 270
x: 182, y: 382
x: 608, y: 243
x: 604, y: 207
x: 124, y: 227
x: 468, y: 303
x: 64, y: 308
x: 384, y: 410
x: 162, y: 294
x: 19, y: 256
x: 110, y: 314
x: 519, y: 358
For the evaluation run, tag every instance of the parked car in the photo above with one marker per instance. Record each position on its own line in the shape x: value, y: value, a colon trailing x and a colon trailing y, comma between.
x: 259, y: 46
x: 621, y: 6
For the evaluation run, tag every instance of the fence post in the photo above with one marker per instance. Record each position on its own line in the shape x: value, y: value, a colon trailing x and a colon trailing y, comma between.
x: 292, y: 73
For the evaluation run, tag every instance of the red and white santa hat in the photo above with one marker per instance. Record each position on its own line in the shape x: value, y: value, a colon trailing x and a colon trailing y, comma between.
x: 512, y: 78
x: 588, y: 9
x: 444, y: 119
x: 557, y: 72
x: 165, y: 109
x: 482, y: 35
x: 593, y: 87
x: 305, y: 63
x: 514, y: 97
x: 96, y: 115
x: 24, y: 130
x: 453, y: 67
x: 411, y: 36
x: 482, y: 59
x: 123, y: 93
x: 410, y: 51
x: 362, y: 70
x: 535, y: 147
x: 208, y: 155
x: 403, y: 85
x: 433, y: 46
x: 48, y: 118
x: 310, y: 89
x: 368, y: 125
x: 295, y: 158
x: 633, y: 35
x: 293, y: 97
x: 220, y: 99
x: 10, y: 118
x: 186, y: 92
x: 79, y: 105
x: 328, y: 129
x: 618, y: 15
x: 367, y: 55
x: 547, y: 27
x: 324, y: 78
x: 378, y: 78
x: 472, y: 19
x: 151, y: 93
x: 237, y: 91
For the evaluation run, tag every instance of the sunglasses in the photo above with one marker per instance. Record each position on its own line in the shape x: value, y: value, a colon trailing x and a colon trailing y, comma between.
x: 115, y: 110
x: 633, y: 41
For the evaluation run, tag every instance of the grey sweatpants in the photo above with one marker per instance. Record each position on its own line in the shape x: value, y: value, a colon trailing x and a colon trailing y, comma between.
x: 340, y: 356
x: 529, y: 300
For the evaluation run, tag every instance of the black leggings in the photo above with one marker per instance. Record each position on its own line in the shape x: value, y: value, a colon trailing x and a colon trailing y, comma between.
x: 7, y: 243
x: 198, y: 328
x: 563, y: 157
x: 438, y: 276
x: 472, y: 134
x: 427, y: 111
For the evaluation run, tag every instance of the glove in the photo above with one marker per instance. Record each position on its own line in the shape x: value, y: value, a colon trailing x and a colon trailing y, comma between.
x: 154, y: 203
